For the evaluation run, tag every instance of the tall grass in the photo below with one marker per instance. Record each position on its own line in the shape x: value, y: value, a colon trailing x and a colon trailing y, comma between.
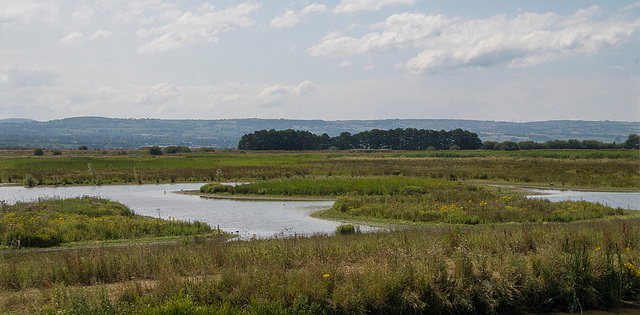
x: 506, y: 269
x: 464, y: 206
x: 53, y: 221
x: 334, y: 186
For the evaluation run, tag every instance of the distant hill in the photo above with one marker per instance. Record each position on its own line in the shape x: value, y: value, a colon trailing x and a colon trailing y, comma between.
x: 16, y: 120
x: 117, y: 133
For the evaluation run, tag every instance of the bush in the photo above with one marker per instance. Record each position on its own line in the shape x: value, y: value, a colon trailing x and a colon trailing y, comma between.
x: 346, y: 229
x: 30, y: 237
x: 57, y: 152
x: 155, y: 150
x: 213, y: 188
x: 83, y: 147
x: 30, y: 181
x: 176, y: 149
x: 38, y: 152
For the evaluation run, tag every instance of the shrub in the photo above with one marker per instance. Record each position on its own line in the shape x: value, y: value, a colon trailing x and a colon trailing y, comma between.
x: 83, y: 147
x: 176, y: 149
x: 213, y: 188
x: 57, y: 152
x: 345, y: 229
x: 155, y: 150
x: 29, y: 181
x: 32, y: 237
x: 38, y: 152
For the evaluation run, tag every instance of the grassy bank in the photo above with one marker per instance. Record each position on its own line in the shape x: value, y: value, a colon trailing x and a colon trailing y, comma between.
x: 53, y: 222
x: 515, y: 268
x: 587, y: 169
x: 419, y: 200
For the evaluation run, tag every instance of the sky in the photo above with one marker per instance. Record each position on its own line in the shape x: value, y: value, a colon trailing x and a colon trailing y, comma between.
x: 502, y: 60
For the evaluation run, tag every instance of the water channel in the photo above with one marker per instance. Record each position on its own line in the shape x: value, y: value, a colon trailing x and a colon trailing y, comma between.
x: 250, y: 219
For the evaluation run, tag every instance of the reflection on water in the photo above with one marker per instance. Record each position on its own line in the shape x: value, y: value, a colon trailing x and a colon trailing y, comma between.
x: 259, y: 219
x: 611, y: 199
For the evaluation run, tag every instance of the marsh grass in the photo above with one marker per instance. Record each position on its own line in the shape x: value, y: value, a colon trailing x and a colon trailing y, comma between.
x: 333, y: 186
x: 569, y: 168
x: 411, y: 199
x: 53, y: 221
x: 512, y: 269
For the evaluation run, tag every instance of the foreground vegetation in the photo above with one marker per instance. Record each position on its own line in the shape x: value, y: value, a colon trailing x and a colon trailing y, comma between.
x: 577, y: 168
x: 493, y: 269
x: 52, y: 222
x: 462, y: 249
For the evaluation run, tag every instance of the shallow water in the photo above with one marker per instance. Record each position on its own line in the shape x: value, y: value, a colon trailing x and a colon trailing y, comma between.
x: 249, y: 219
x: 612, y: 199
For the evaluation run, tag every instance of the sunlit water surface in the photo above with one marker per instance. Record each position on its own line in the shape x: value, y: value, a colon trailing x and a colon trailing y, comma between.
x: 612, y: 199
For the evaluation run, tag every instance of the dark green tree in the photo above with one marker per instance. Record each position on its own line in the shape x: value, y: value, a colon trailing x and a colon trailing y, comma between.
x: 632, y: 142
x: 155, y: 150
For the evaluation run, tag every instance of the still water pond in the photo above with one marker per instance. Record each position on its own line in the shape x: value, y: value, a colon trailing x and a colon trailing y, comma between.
x: 260, y: 219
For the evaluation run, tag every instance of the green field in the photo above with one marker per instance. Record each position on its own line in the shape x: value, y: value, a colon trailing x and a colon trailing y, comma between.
x: 580, y: 168
x: 461, y: 246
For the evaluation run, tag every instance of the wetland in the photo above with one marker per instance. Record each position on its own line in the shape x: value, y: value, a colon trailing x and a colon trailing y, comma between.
x: 468, y: 244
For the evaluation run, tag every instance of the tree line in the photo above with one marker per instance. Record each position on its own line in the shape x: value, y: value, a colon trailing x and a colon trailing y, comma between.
x: 408, y: 139
x: 394, y: 139
x: 632, y: 142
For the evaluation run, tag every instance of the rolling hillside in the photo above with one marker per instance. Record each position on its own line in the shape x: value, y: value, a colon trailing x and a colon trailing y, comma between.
x: 116, y: 133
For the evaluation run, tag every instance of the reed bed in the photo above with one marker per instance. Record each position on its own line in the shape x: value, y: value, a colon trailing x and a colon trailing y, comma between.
x: 495, y: 269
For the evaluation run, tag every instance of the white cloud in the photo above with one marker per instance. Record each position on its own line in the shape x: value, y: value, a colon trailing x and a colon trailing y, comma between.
x: 23, y: 12
x: 344, y: 64
x: 398, y: 31
x: 523, y: 41
x: 448, y: 43
x: 204, y: 25
x: 631, y: 6
x: 291, y: 18
x: 276, y: 94
x: 100, y: 34
x: 82, y: 14
x: 76, y: 37
x: 351, y: 6
x: 128, y: 11
x: 70, y: 38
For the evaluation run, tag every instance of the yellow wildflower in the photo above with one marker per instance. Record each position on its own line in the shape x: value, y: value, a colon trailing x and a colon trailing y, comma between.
x: 326, y: 276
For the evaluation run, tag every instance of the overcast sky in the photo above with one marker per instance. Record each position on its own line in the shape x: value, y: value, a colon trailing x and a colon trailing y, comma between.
x: 503, y: 60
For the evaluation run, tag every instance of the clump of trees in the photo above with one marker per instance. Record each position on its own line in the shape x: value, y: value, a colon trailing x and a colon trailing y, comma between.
x: 409, y: 139
x: 631, y: 143
x: 394, y: 139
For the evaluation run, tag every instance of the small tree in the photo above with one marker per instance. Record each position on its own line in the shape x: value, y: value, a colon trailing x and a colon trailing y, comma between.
x: 633, y: 142
x: 38, y: 152
x: 57, y: 152
x: 155, y: 150
x: 83, y: 147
